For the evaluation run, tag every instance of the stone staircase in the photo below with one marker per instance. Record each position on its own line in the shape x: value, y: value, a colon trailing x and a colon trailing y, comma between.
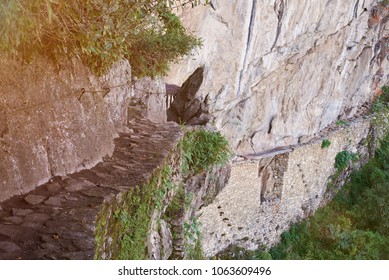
x: 57, y: 220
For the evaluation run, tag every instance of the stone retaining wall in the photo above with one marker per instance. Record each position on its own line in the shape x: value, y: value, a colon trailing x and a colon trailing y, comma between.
x: 58, y: 220
x: 264, y: 196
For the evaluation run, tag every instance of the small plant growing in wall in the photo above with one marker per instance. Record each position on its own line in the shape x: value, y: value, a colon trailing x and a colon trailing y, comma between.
x: 342, y: 123
x: 325, y: 143
x: 192, y: 237
x: 382, y: 101
x: 343, y: 158
x: 202, y: 149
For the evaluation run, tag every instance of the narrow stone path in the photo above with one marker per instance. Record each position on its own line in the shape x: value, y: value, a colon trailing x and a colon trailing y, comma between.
x: 57, y: 220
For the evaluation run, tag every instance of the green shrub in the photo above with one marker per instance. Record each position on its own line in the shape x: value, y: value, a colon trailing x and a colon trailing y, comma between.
x: 201, y: 149
x: 192, y: 236
x: 385, y: 94
x: 234, y: 252
x: 325, y: 143
x: 98, y: 32
x: 382, y: 101
x: 343, y: 158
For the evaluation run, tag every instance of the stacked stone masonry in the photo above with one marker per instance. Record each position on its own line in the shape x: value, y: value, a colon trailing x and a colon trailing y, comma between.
x: 57, y: 220
x: 264, y: 196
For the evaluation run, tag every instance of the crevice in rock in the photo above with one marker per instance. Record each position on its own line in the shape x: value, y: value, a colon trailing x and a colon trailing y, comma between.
x: 221, y: 20
x: 249, y: 38
x: 171, y: 92
x: 187, y: 108
x: 279, y: 9
x: 356, y: 9
x: 270, y: 125
x: 211, y: 4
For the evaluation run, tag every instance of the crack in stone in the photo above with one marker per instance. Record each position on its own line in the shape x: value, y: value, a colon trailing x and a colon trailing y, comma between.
x: 356, y: 9
x: 220, y: 19
x: 279, y: 9
x: 248, y: 43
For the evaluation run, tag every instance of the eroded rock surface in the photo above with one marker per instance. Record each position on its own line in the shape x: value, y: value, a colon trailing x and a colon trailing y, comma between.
x: 50, y: 121
x: 279, y: 71
x: 58, y: 121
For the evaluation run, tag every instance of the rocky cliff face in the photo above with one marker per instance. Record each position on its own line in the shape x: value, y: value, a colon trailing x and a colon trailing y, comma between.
x: 58, y: 121
x: 277, y: 72
x: 271, y: 74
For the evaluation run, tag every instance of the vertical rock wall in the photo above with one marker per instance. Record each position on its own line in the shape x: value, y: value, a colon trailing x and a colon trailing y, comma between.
x: 46, y: 130
x: 277, y: 72
x: 58, y: 120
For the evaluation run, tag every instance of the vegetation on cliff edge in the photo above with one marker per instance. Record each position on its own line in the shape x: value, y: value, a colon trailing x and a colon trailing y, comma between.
x: 127, y: 220
x: 98, y: 32
x: 355, y: 225
x: 202, y: 149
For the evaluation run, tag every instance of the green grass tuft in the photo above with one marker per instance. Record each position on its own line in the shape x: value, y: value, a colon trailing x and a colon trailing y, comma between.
x: 201, y: 149
x: 325, y: 143
x: 343, y: 158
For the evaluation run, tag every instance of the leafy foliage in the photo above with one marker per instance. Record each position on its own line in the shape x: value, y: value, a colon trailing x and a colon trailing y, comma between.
x: 233, y: 252
x: 355, y: 225
x: 192, y: 236
x: 201, y: 149
x: 382, y: 101
x: 325, y: 143
x: 98, y: 32
x: 343, y: 158
x: 384, y: 97
x: 131, y: 221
